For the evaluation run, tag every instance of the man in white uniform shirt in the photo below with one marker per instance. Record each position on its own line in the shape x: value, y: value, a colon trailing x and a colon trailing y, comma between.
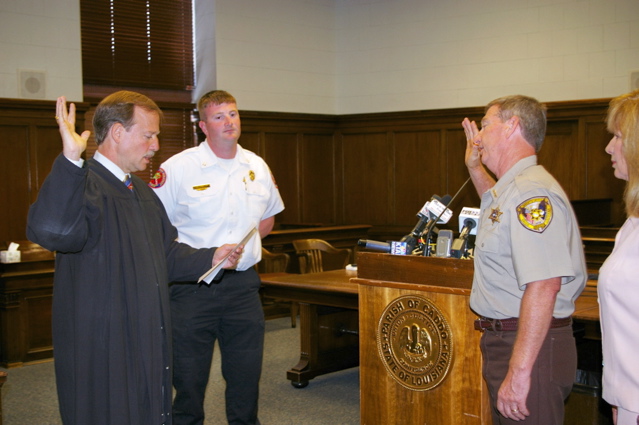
x: 214, y: 192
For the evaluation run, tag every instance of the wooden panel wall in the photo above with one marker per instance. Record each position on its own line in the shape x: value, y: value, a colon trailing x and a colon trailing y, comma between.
x: 419, y: 154
x: 379, y: 169
x: 29, y: 142
x: 376, y: 169
x: 301, y: 151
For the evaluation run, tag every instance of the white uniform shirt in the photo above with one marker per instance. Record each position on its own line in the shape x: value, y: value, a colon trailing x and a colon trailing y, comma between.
x: 527, y: 232
x: 618, y: 290
x: 213, y: 203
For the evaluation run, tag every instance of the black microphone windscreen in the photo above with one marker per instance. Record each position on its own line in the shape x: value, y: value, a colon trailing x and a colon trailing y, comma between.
x: 470, y: 223
x: 374, y: 245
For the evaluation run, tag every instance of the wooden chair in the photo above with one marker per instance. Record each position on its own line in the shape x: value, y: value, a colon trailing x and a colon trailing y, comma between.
x: 276, y: 262
x: 273, y: 262
x: 316, y: 255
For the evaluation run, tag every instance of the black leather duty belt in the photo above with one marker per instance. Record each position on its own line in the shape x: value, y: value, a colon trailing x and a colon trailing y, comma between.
x: 510, y: 324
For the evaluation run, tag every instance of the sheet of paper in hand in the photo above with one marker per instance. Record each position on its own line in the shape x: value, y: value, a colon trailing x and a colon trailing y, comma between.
x: 213, y: 271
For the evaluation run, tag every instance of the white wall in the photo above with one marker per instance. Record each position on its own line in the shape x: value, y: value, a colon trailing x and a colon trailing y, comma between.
x: 277, y: 55
x: 41, y: 36
x: 398, y: 55
x: 358, y: 56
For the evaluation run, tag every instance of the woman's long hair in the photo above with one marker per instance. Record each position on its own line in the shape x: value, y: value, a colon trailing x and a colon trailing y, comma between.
x: 623, y: 118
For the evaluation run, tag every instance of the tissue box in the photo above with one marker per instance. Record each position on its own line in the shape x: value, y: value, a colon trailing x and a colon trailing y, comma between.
x: 9, y: 256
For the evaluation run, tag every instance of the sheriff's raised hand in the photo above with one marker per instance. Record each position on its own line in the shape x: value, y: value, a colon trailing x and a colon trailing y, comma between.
x: 73, y: 144
x: 473, y: 149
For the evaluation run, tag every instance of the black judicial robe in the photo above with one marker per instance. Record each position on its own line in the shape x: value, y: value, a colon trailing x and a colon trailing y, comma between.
x: 116, y: 252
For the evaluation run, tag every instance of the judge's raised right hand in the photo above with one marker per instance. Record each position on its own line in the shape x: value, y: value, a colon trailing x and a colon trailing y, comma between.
x: 73, y: 144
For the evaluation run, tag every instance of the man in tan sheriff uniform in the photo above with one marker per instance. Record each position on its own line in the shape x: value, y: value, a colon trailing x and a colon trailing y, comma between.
x: 529, y: 266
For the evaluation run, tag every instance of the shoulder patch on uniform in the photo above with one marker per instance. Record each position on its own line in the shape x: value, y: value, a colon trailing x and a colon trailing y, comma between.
x: 535, y: 214
x: 158, y: 180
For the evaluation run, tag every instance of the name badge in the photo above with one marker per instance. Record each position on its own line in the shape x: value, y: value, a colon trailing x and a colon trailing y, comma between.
x: 201, y: 187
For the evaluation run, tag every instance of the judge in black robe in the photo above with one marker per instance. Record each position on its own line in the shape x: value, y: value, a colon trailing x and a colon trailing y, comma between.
x: 116, y: 251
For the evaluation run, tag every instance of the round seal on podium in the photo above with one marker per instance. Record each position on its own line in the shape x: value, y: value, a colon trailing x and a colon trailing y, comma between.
x: 415, y: 342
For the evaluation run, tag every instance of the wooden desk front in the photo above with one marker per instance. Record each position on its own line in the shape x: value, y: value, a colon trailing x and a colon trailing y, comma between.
x: 26, y: 294
x: 328, y: 320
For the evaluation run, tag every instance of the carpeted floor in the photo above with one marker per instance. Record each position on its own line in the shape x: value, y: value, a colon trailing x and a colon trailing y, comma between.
x: 29, y: 398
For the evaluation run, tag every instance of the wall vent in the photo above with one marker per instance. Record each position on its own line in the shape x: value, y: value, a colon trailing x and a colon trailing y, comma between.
x: 32, y: 84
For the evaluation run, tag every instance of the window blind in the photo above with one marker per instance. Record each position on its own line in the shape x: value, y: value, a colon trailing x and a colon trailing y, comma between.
x: 137, y: 43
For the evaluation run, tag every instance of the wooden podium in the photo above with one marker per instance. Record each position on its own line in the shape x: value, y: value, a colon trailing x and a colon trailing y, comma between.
x: 420, y: 361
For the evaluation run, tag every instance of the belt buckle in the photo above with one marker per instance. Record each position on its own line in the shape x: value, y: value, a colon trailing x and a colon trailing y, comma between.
x: 486, y: 324
x: 483, y: 324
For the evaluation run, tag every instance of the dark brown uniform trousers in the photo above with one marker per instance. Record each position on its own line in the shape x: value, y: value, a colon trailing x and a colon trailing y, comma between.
x: 551, y: 379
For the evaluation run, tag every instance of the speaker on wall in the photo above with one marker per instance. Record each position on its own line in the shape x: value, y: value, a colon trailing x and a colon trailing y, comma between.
x: 32, y: 84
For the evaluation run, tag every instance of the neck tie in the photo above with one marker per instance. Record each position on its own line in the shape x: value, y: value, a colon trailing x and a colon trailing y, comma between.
x: 128, y: 181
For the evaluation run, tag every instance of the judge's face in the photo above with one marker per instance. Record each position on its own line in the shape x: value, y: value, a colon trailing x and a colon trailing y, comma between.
x: 221, y: 123
x: 138, y: 144
x: 615, y: 150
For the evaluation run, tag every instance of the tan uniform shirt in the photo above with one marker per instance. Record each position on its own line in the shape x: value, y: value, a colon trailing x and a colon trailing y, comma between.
x: 527, y: 232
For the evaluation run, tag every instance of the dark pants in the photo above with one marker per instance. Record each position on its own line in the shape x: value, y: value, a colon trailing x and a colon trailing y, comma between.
x: 551, y: 379
x: 231, y: 313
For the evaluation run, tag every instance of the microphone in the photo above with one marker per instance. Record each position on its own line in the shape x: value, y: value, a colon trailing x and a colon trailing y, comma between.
x: 374, y: 245
x: 437, y: 210
x: 431, y: 225
x: 396, y: 248
x: 432, y: 211
x: 469, y: 213
x: 468, y: 222
x: 458, y: 249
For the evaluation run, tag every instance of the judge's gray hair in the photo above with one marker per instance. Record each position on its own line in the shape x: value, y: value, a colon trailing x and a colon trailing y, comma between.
x: 119, y: 107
